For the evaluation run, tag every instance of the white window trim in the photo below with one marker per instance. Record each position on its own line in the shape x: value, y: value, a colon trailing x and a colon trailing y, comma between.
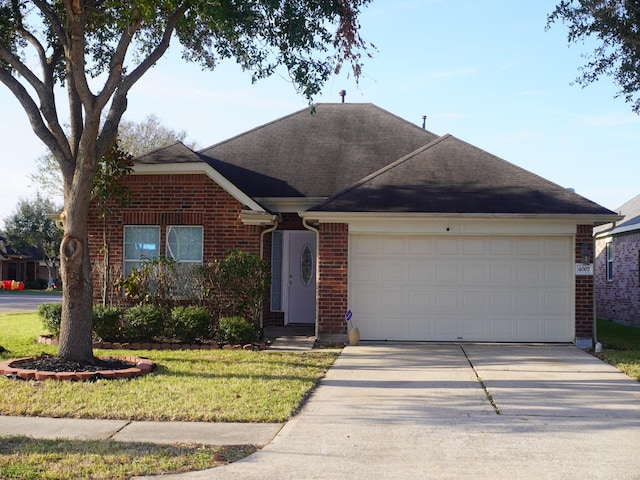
x: 610, y: 257
x: 125, y: 260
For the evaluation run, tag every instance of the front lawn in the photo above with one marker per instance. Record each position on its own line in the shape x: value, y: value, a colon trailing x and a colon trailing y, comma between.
x: 620, y: 347
x: 189, y: 385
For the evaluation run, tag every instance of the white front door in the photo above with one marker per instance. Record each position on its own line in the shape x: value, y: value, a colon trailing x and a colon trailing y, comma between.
x: 299, y: 277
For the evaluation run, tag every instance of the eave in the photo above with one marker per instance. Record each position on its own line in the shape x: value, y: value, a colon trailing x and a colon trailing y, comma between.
x: 199, y: 168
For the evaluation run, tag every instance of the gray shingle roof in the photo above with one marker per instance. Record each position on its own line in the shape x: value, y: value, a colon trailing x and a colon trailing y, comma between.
x: 174, y: 153
x: 315, y: 155
x: 452, y: 176
x: 631, y: 222
x: 365, y: 159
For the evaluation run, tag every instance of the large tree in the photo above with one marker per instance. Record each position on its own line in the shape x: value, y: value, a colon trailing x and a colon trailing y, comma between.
x: 134, y: 138
x: 113, y: 43
x: 615, y: 24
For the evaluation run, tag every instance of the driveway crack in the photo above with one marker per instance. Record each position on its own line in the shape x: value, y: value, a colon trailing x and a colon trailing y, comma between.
x: 482, y: 384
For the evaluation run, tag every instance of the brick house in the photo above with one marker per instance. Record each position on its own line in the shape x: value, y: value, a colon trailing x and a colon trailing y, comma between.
x: 422, y: 237
x: 617, y: 266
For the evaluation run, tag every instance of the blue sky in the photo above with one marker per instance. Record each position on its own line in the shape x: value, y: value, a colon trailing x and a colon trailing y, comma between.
x: 485, y: 71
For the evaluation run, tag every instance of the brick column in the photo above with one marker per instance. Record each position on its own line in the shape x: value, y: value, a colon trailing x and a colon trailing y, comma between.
x: 584, y: 290
x: 333, y: 281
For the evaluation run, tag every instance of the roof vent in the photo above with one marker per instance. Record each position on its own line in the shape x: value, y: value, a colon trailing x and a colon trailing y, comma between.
x: 342, y: 93
x: 424, y: 122
x: 571, y: 190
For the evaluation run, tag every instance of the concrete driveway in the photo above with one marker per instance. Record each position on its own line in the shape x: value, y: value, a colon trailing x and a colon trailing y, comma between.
x: 419, y: 411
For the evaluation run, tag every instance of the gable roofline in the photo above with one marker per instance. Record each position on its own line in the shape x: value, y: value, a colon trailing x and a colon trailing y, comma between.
x: 379, y: 172
x: 376, y: 190
x: 200, y: 167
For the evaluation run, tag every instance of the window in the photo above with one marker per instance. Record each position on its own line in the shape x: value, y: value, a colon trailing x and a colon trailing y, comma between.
x: 276, y: 271
x: 609, y: 261
x: 184, y: 244
x: 140, y: 243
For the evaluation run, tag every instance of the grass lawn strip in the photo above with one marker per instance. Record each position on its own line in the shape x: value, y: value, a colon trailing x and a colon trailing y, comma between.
x: 25, y: 458
x: 620, y: 347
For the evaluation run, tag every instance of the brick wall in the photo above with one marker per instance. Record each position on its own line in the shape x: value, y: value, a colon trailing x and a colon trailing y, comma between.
x: 176, y: 199
x: 333, y: 254
x: 619, y: 298
x: 584, y: 286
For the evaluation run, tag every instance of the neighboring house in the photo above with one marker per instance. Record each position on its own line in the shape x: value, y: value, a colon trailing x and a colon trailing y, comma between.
x: 422, y: 237
x: 25, y: 266
x: 617, y: 266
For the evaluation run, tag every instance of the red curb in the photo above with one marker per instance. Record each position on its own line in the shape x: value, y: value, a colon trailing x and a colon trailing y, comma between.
x: 26, y: 374
x: 45, y: 375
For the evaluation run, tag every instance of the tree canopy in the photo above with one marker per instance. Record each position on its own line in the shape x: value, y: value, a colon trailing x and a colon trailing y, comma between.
x: 98, y: 49
x: 616, y: 26
x: 134, y: 138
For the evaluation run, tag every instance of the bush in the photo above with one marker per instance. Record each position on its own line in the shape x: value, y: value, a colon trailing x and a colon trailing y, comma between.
x: 142, y: 323
x: 39, y: 284
x: 191, y: 322
x: 236, y: 331
x: 244, y: 282
x: 51, y: 316
x: 107, y: 324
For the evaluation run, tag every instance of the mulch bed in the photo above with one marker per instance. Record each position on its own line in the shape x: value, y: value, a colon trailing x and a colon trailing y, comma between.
x: 55, y: 364
x: 47, y: 367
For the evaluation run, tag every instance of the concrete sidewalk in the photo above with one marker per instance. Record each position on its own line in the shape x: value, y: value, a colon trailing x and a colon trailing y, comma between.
x: 154, y: 432
x: 418, y: 411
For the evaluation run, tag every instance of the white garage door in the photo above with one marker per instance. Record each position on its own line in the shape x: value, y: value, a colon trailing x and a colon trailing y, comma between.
x: 508, y: 289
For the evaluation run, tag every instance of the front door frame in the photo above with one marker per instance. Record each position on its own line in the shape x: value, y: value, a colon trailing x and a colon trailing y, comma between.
x: 293, y: 242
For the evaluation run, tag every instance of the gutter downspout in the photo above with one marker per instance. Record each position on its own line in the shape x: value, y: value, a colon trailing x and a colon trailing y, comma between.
x: 317, y: 232
x: 596, y: 344
x: 262, y: 234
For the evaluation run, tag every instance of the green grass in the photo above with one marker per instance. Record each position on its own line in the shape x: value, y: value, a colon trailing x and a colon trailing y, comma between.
x: 24, y: 458
x: 207, y: 385
x: 190, y: 385
x: 620, y: 347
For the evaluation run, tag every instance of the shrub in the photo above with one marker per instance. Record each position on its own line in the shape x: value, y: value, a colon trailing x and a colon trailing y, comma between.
x: 39, y: 284
x: 107, y: 324
x: 236, y: 331
x: 244, y: 282
x: 143, y: 322
x: 51, y: 316
x: 157, y: 282
x: 191, y: 322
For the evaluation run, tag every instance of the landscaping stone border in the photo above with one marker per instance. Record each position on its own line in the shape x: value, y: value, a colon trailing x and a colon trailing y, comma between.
x: 142, y: 366
x: 47, y: 340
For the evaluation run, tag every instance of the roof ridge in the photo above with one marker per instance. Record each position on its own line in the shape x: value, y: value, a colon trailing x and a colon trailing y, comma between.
x: 310, y: 109
x: 382, y: 170
x: 529, y: 172
x: 157, y: 149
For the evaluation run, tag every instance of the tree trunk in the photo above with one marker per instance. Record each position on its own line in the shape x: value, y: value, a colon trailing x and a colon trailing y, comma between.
x: 75, y: 342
